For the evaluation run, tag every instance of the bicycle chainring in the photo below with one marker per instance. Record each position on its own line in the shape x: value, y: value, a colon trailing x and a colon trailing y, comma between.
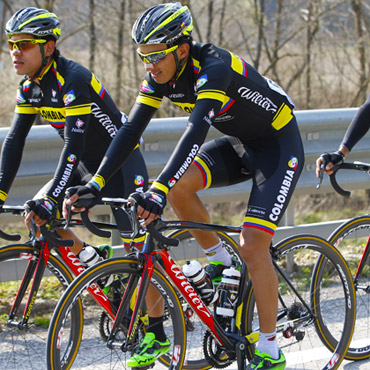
x: 214, y: 354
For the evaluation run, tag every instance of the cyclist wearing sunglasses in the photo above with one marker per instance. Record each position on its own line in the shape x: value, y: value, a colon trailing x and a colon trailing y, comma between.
x: 76, y: 104
x: 262, y: 142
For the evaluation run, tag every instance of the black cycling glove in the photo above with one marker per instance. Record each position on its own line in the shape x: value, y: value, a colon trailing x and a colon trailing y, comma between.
x: 336, y: 158
x: 44, y: 207
x: 88, y: 195
x: 152, y: 201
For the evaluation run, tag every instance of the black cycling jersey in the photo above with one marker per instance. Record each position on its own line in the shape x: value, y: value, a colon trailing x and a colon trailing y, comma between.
x: 221, y: 89
x: 76, y: 104
x: 358, y: 127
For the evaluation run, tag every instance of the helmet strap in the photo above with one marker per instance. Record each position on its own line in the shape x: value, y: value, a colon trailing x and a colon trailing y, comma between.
x: 44, y: 62
x: 179, y: 65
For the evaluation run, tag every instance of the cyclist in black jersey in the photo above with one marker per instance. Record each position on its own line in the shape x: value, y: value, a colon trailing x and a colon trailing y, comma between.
x: 356, y: 130
x: 262, y: 142
x: 76, y: 104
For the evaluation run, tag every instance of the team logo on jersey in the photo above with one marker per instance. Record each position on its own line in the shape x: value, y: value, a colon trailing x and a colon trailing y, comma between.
x: 71, y: 158
x: 79, y: 124
x: 48, y: 205
x: 146, y: 88
x: 139, y: 180
x: 293, y: 162
x: 20, y: 97
x: 208, y: 118
x: 69, y: 97
x: 201, y: 81
x: 171, y: 182
x: 53, y: 96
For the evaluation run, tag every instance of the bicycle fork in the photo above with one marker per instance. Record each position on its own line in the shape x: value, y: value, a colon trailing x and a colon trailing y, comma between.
x: 35, y: 269
x: 360, y: 268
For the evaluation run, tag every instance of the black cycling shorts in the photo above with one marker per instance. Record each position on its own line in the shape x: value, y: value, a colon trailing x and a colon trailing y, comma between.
x: 273, y: 165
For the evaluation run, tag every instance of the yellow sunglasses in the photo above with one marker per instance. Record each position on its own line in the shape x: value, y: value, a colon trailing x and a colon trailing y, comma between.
x: 156, y: 56
x: 24, y: 44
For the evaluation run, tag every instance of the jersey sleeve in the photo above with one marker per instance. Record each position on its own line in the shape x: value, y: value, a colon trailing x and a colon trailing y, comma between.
x: 211, y: 87
x: 77, y: 98
x: 12, y: 150
x: 124, y: 143
x: 358, y: 127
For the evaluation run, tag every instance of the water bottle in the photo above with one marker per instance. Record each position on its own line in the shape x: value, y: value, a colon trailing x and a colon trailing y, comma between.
x: 228, y: 292
x: 200, y: 281
x: 89, y: 256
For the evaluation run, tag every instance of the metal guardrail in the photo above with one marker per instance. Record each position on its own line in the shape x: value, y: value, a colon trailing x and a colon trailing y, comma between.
x: 321, y: 131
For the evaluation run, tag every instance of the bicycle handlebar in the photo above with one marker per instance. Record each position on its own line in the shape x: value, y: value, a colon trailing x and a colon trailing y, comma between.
x: 359, y: 166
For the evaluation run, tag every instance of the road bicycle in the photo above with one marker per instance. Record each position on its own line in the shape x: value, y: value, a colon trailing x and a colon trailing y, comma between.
x: 33, y: 276
x: 352, y: 238
x: 313, y: 304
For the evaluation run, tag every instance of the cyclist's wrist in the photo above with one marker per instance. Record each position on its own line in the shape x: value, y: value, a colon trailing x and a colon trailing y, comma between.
x: 96, y: 184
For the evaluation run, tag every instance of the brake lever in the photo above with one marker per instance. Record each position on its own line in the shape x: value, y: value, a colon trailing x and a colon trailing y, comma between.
x: 69, y: 209
x: 321, y: 176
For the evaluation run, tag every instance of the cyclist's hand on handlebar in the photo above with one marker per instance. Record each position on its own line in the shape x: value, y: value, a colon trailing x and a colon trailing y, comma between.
x: 327, y: 161
x: 40, y: 210
x: 151, y: 204
x: 80, y: 197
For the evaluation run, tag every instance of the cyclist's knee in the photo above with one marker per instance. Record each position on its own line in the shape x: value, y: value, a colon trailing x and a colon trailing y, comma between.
x: 254, y: 246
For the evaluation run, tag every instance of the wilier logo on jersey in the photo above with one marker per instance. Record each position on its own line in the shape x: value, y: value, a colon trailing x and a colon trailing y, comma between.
x: 69, y: 97
x: 79, y: 124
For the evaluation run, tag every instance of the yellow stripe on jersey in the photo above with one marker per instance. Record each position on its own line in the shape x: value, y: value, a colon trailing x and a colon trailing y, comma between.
x: 186, y: 107
x: 212, y: 94
x: 58, y: 75
x: 78, y: 110
x: 282, y: 117
x: 96, y: 84
x: 25, y: 109
x: 159, y: 186
x: 52, y: 114
x: 149, y: 100
x: 3, y: 195
x: 196, y: 65
x: 236, y: 64
x: 98, y: 181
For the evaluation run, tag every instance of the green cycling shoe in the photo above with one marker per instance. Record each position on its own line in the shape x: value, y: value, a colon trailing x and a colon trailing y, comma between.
x: 148, y: 352
x: 263, y: 361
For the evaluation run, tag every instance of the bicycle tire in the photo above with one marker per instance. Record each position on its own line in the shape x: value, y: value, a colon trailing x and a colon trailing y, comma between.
x: 331, y: 299
x: 25, y: 348
x: 190, y: 249
x: 90, y: 348
x: 355, y: 232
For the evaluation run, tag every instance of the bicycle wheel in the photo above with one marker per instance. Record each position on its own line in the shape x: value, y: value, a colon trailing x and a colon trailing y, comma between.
x: 330, y: 297
x: 351, y: 239
x: 196, y: 332
x: 21, y: 347
x: 90, y: 351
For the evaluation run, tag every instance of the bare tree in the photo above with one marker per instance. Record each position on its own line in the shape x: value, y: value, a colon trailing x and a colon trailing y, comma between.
x: 358, y: 12
x: 120, y: 43
x: 92, y: 34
